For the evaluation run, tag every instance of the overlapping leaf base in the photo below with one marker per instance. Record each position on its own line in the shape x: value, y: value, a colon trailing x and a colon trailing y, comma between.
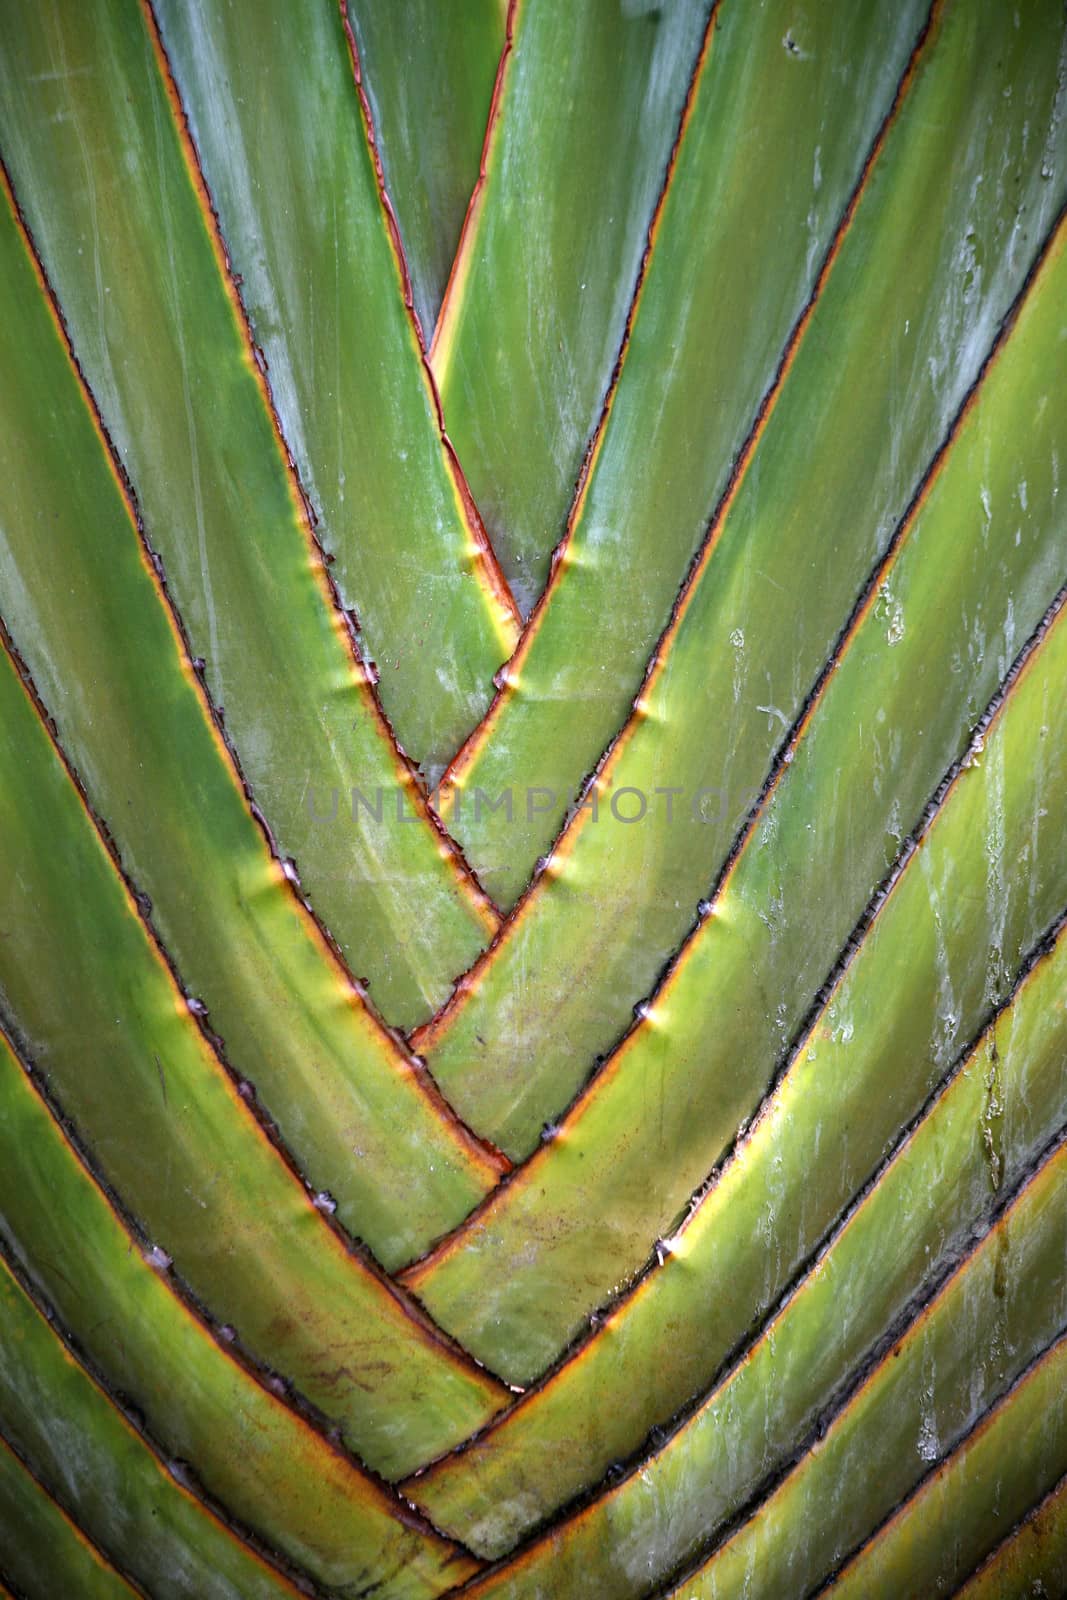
x: 636, y: 1165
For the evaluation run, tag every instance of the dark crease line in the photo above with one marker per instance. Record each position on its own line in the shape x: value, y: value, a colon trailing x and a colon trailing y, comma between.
x: 699, y: 561
x: 734, y: 1149
x: 949, y: 1266
x: 592, y: 449
x: 784, y: 755
x: 392, y: 224
x: 72, y: 1523
x: 225, y: 1338
x: 395, y: 1047
x: 1019, y: 1527
x: 365, y: 675
x: 944, y: 1463
x: 178, y: 1473
x: 660, y: 1435
x: 783, y: 758
x: 474, y: 203
x: 918, y: 1311
x: 479, y: 736
x: 492, y: 578
x: 140, y: 905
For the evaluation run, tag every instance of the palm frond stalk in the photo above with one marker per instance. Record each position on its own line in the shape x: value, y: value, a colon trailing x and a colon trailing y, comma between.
x: 533, y: 799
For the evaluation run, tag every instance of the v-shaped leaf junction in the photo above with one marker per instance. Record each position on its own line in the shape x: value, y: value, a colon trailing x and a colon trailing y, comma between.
x: 533, y: 757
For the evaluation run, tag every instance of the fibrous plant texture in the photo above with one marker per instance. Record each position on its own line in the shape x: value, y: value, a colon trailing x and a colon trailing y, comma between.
x: 533, y: 799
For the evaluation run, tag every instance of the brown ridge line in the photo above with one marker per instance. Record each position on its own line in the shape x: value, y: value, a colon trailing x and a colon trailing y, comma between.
x: 79, y: 1533
x: 187, y: 1485
x: 941, y: 1468
x: 607, y: 1069
x: 486, y: 566
x: 578, y: 1346
x: 865, y: 602
x: 243, y: 1092
x: 479, y: 736
x: 903, y: 1330
x: 428, y: 1034
x: 578, y: 1349
x: 474, y: 204
x: 279, y: 1391
x: 344, y: 619
x: 140, y: 904
x: 783, y: 758
x: 1024, y: 1523
x: 482, y: 1152
x: 914, y: 1311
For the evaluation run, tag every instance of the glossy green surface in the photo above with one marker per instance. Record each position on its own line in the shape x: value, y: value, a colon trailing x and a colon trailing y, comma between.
x: 899, y: 333
x: 669, y: 1340
x: 994, y: 1317
x: 429, y: 70
x: 43, y: 1555
x: 277, y: 1475
x: 540, y: 293
x: 97, y: 163
x: 287, y: 162
x: 958, y: 1516
x: 102, y: 1017
x: 108, y: 666
x: 931, y: 649
x: 1034, y: 1557
x: 1005, y: 1304
x: 88, y: 1455
x: 726, y: 281
x: 772, y: 1072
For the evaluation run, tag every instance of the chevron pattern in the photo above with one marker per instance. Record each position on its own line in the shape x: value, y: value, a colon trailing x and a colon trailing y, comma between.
x: 533, y: 799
